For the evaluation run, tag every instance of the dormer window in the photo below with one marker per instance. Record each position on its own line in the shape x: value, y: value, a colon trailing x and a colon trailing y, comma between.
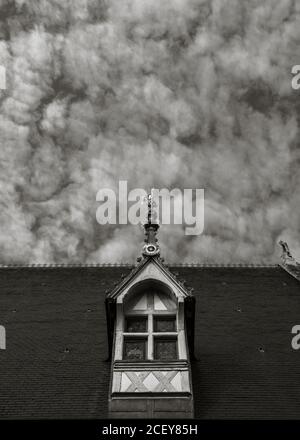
x: 150, y: 327
x: 150, y: 355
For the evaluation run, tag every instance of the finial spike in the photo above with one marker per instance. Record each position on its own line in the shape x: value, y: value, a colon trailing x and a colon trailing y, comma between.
x: 151, y: 247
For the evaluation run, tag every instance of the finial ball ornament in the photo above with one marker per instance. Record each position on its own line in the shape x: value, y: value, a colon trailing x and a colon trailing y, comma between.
x: 150, y: 249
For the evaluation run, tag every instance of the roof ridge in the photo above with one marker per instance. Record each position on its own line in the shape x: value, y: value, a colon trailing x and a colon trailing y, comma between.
x: 71, y: 265
x: 223, y: 264
x: 192, y: 264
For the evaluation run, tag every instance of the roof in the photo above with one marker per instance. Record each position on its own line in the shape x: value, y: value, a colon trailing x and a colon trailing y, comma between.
x: 55, y: 364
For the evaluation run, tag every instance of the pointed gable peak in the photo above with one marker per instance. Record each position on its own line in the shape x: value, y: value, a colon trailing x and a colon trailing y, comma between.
x: 150, y: 267
x: 150, y: 270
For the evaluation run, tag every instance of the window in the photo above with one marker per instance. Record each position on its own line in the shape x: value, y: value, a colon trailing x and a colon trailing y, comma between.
x: 164, y: 323
x: 150, y: 327
x: 134, y: 349
x: 136, y: 324
x: 165, y: 349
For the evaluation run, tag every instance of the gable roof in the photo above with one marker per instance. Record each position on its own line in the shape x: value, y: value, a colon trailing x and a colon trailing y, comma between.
x: 162, y: 268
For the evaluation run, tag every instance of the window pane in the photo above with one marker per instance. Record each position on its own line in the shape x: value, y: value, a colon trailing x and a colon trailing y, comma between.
x: 165, y: 349
x: 136, y: 324
x: 134, y: 349
x: 164, y: 324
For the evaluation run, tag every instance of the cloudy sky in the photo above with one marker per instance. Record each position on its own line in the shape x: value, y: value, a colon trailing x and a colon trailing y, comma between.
x: 181, y: 93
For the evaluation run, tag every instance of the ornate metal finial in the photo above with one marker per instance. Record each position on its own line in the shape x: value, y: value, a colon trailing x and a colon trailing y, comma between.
x: 151, y: 247
x: 149, y: 203
x: 152, y: 215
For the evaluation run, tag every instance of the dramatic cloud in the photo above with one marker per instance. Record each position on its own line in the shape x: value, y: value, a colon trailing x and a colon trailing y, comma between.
x: 186, y: 94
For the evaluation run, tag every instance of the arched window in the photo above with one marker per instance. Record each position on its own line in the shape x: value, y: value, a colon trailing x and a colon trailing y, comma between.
x: 150, y: 329
x: 150, y: 325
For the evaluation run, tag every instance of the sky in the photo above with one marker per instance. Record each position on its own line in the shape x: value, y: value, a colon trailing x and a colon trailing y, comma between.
x: 179, y: 94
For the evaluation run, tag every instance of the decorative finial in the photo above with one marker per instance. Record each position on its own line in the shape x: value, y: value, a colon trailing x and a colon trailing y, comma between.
x: 286, y: 251
x: 151, y: 247
x: 152, y: 215
x: 288, y: 261
x: 286, y: 256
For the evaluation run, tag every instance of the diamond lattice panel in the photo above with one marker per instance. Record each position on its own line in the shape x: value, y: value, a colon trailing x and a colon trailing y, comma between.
x: 153, y: 381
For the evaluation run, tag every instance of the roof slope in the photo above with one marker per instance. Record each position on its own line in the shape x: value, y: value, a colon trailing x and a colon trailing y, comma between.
x: 246, y: 366
x: 55, y: 362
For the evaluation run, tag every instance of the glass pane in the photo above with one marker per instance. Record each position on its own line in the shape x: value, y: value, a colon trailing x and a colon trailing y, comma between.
x: 134, y: 349
x: 136, y: 324
x: 165, y: 349
x: 164, y: 324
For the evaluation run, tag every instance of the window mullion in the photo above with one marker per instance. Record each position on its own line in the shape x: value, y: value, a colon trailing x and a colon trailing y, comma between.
x: 150, y: 337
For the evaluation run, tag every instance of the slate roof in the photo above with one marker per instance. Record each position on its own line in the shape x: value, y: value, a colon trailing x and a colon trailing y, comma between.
x: 55, y: 364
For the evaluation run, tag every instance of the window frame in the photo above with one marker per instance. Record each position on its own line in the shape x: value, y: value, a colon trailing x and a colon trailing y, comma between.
x: 151, y: 313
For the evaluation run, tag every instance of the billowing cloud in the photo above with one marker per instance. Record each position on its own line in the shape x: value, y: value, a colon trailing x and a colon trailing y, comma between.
x: 181, y: 94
